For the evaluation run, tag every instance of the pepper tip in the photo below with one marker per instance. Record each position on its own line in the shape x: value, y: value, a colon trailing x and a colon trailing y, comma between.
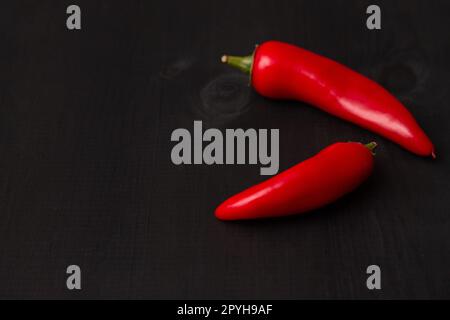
x: 224, y: 58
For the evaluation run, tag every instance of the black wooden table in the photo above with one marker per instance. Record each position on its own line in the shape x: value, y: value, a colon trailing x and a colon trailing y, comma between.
x: 86, y: 176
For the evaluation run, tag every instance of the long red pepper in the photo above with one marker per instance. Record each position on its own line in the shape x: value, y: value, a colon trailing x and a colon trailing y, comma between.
x: 316, y: 182
x: 283, y: 71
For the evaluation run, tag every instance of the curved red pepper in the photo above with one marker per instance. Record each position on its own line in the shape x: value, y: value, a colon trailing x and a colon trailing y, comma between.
x: 311, y: 184
x: 283, y: 71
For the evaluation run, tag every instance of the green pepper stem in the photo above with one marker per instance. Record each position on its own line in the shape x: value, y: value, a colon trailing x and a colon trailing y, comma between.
x: 371, y: 146
x: 242, y: 63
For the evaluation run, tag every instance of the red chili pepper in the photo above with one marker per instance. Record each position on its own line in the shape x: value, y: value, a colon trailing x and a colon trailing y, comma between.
x: 283, y: 71
x: 311, y: 184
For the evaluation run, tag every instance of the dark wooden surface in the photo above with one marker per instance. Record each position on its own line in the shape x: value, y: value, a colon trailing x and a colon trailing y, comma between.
x: 85, y: 170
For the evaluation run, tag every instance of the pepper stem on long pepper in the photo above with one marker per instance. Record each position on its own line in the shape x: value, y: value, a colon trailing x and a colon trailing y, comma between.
x: 242, y: 63
x: 371, y: 146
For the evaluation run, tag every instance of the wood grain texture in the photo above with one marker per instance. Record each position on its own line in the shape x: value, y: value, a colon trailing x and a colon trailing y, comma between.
x: 85, y: 170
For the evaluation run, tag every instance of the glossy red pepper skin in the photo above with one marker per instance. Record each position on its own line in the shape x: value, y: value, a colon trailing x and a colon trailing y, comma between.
x: 284, y: 71
x: 311, y: 184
